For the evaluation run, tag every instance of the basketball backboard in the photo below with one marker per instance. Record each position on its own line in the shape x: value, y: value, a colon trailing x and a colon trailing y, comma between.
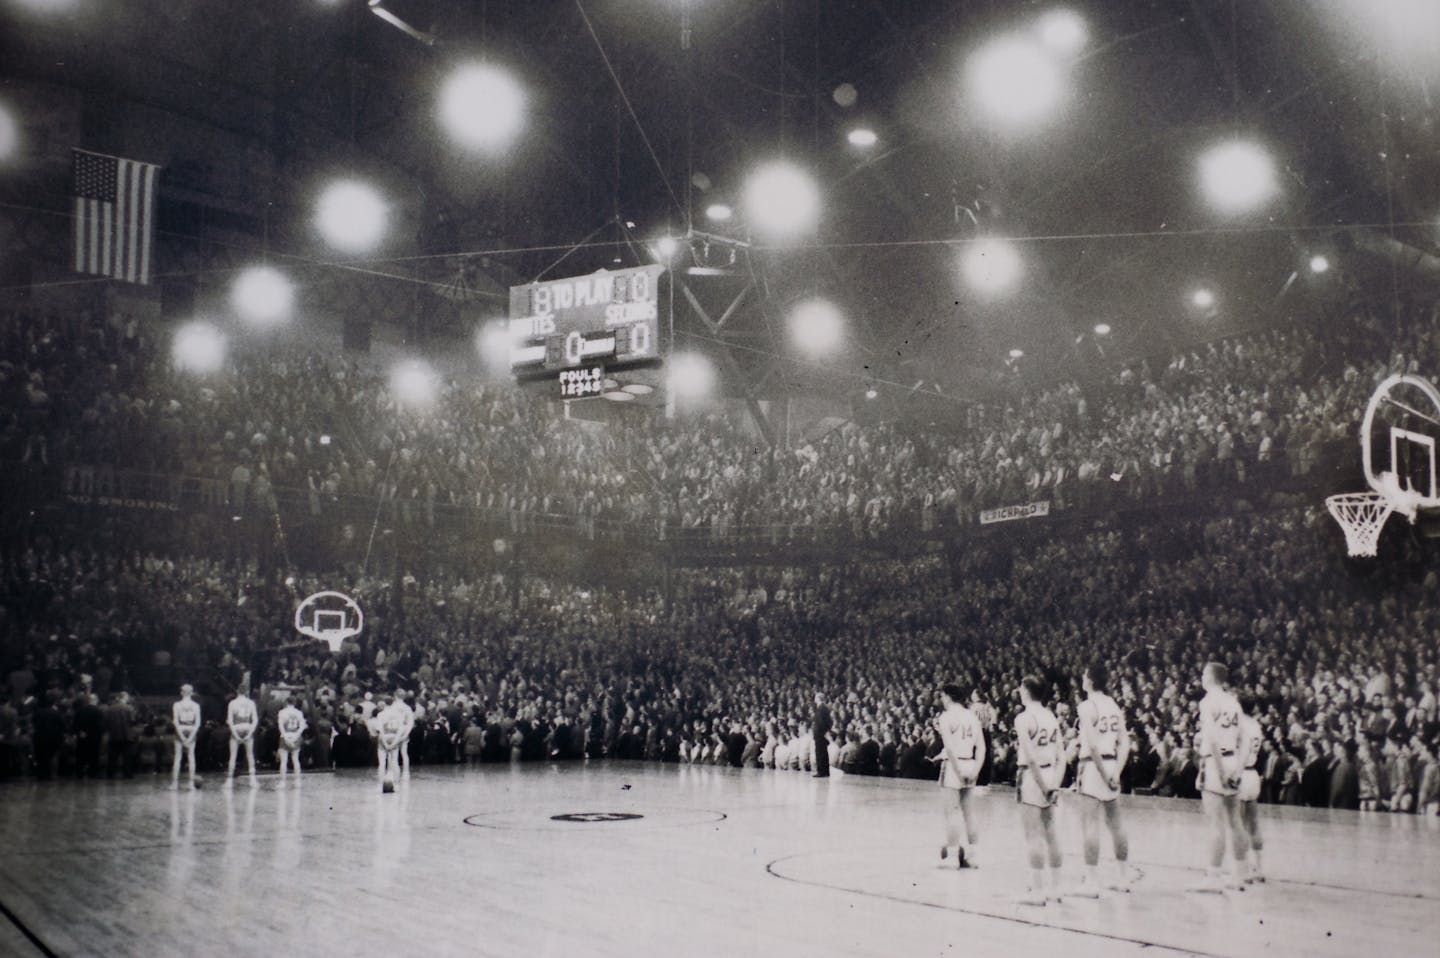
x: 1398, y: 441
x: 332, y: 617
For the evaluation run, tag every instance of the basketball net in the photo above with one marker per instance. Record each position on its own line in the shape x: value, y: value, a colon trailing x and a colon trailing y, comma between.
x: 1361, y: 515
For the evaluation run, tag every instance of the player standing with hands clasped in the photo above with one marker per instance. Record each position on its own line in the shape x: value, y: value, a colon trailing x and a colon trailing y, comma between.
x: 186, y: 716
x: 242, y: 719
x: 407, y: 714
x: 1104, y: 746
x: 292, y: 727
x: 963, y: 755
x: 1220, y: 774
x: 1251, y: 738
x: 1040, y: 767
x: 390, y: 724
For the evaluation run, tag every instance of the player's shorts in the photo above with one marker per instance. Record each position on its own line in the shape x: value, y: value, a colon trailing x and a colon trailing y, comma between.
x: 1210, y: 778
x: 290, y: 745
x: 1092, y: 782
x: 969, y: 774
x: 1030, y: 792
x: 1249, y: 786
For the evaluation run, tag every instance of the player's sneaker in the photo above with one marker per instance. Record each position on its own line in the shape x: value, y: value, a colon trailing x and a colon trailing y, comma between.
x: 1031, y: 897
x: 1086, y: 889
x: 388, y: 787
x: 229, y: 783
x: 253, y: 781
x: 967, y: 859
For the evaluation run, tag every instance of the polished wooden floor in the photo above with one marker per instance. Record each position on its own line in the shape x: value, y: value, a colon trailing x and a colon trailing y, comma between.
x: 723, y: 862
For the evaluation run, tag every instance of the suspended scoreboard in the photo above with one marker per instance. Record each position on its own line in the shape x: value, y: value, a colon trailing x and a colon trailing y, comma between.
x: 576, y: 330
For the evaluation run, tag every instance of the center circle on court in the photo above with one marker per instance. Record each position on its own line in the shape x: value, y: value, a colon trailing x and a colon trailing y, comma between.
x: 555, y: 819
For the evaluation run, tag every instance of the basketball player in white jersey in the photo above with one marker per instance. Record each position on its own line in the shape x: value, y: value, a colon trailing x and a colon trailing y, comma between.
x: 242, y: 718
x: 1251, y: 737
x: 408, y: 714
x: 186, y: 716
x: 1220, y: 772
x: 389, y: 731
x: 1104, y: 745
x: 1041, y: 768
x: 963, y: 738
x: 292, y: 727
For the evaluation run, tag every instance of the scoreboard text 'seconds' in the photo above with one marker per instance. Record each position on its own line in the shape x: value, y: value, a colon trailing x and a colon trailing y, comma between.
x: 609, y: 317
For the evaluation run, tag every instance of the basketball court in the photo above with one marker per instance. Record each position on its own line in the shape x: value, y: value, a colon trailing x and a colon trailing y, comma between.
x: 641, y: 859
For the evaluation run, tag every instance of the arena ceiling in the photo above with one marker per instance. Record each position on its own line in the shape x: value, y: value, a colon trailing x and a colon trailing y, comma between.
x: 635, y: 105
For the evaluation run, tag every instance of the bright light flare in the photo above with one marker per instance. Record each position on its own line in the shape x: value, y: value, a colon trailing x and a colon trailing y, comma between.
x: 666, y: 247
x: 351, y: 216
x: 1203, y: 298
x: 198, y: 347
x: 1015, y: 80
x: 719, y: 213
x: 1319, y: 264
x: 414, y: 383
x: 482, y: 107
x: 1102, y: 329
x: 262, y: 296
x: 782, y: 201
x: 1064, y: 32
x: 9, y: 133
x: 871, y: 393
x: 817, y: 326
x: 1237, y: 176
x: 690, y: 375
x: 862, y: 137
x: 493, y: 342
x: 991, y: 266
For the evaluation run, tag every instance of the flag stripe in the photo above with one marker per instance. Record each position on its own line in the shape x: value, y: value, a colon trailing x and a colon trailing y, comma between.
x: 147, y: 207
x: 107, y: 234
x: 122, y: 226
x: 132, y: 265
x: 93, y: 264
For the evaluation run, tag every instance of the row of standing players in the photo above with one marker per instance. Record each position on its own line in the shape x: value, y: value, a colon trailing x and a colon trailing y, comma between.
x: 390, y: 724
x: 1229, y: 783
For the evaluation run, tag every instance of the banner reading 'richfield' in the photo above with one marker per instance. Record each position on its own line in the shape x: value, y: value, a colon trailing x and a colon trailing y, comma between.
x: 1007, y: 513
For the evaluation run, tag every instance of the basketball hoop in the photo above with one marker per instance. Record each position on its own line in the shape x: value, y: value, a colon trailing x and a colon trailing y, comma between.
x: 1362, y: 515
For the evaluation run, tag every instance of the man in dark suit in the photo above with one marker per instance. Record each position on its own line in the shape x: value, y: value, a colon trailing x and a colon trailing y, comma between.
x: 867, y: 760
x: 822, y: 726
x: 89, y: 729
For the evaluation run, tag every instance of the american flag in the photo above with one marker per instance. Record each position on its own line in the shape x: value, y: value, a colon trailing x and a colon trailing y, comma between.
x: 114, y: 216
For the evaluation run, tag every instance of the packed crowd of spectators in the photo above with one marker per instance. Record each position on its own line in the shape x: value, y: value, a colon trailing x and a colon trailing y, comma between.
x: 95, y: 395
x: 1341, y: 671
